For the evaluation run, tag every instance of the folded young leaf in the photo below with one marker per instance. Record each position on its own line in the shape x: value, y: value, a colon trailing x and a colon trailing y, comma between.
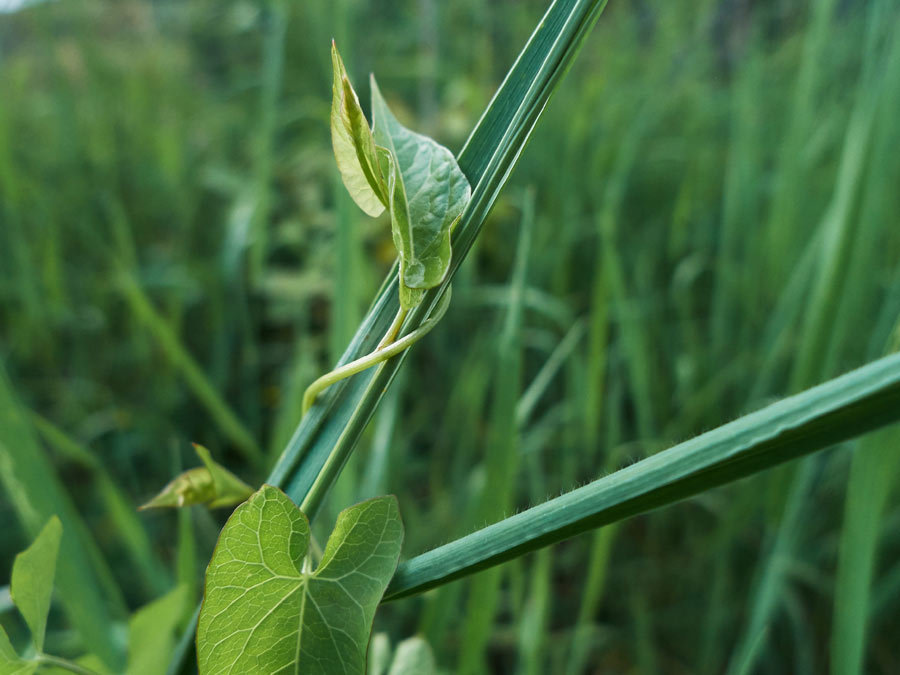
x: 31, y: 584
x: 427, y: 192
x: 354, y: 147
x: 211, y: 484
x: 265, y: 612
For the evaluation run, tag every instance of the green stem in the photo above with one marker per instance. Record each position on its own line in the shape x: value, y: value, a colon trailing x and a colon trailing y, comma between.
x: 339, y: 455
x: 64, y: 664
x: 386, y: 349
x: 394, y: 328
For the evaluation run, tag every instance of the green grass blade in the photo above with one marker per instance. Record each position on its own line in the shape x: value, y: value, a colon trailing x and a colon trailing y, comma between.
x: 502, y: 454
x: 816, y: 359
x: 872, y: 474
x: 839, y: 409
x: 119, y: 506
x: 182, y: 360
x: 873, y: 471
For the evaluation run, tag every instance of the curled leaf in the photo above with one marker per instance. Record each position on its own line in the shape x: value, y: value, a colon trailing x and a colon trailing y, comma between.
x: 427, y: 192
x: 211, y: 484
x: 354, y: 146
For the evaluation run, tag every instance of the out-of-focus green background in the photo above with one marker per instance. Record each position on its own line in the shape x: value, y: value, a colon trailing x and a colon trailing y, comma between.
x: 715, y: 191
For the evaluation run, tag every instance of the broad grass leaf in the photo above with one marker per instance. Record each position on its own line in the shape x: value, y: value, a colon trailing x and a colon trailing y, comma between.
x: 263, y: 612
x: 354, y: 147
x: 31, y: 584
x: 10, y: 663
x: 834, y: 411
x: 427, y: 193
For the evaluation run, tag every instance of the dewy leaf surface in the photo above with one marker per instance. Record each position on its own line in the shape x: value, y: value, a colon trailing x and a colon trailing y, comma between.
x: 354, y: 147
x: 427, y: 193
x: 31, y: 584
x: 263, y: 614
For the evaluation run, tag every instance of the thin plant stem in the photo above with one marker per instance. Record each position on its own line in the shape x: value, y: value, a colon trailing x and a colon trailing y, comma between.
x: 381, y: 353
x: 64, y: 664
x: 394, y: 328
x: 340, y: 453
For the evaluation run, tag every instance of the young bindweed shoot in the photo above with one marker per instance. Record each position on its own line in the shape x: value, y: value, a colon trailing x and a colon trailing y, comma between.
x: 423, y: 189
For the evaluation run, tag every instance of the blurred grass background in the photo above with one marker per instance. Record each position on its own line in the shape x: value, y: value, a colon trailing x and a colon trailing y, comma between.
x: 707, y: 218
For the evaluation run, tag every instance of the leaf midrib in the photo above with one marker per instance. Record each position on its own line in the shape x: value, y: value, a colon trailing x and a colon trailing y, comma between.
x: 303, y: 584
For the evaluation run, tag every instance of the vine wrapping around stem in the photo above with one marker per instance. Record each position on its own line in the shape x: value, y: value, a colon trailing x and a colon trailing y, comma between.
x: 387, y: 348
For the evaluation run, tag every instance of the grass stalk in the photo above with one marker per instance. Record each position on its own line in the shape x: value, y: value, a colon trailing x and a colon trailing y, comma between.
x: 842, y: 408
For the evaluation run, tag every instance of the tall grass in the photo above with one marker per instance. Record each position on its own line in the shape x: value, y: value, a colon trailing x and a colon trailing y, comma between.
x: 714, y: 205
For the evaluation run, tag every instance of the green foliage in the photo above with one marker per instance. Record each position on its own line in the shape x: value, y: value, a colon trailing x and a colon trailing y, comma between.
x: 31, y: 585
x: 354, y: 146
x: 839, y: 409
x: 151, y: 633
x: 31, y: 588
x: 151, y: 629
x: 715, y: 197
x: 10, y: 663
x: 413, y: 657
x: 417, y: 178
x: 38, y: 496
x: 427, y: 194
x: 211, y: 484
x: 266, y: 610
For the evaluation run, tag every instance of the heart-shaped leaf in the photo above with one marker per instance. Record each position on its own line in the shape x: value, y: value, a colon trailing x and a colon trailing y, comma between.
x: 427, y: 193
x: 354, y: 147
x: 31, y: 584
x: 265, y: 611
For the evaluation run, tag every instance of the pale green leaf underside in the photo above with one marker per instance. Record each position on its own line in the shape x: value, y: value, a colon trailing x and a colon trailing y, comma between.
x: 379, y: 656
x: 354, y: 147
x: 10, y: 663
x: 427, y: 193
x: 263, y: 614
x: 31, y: 584
x: 413, y: 657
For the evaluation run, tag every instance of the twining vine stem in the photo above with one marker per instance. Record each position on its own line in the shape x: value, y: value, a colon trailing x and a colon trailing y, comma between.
x: 387, y: 348
x: 336, y: 459
x: 64, y: 664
